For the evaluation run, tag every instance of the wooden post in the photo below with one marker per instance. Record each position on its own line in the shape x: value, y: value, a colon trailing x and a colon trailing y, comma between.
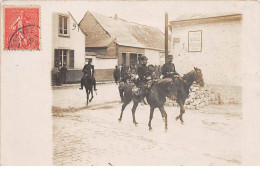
x: 166, y: 37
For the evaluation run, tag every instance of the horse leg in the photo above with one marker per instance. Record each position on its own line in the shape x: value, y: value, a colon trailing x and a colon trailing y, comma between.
x: 162, y: 116
x: 162, y: 110
x: 87, y: 96
x: 91, y: 91
x: 151, y: 117
x: 121, y: 92
x: 123, y: 108
x: 182, y: 111
x: 133, y: 112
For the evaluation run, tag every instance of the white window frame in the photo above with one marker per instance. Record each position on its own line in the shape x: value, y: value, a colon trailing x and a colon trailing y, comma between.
x: 62, y: 16
x: 63, y: 51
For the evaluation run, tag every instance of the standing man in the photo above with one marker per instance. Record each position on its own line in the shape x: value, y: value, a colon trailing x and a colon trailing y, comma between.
x: 56, y: 73
x: 88, y: 71
x: 116, y: 74
x: 63, y: 72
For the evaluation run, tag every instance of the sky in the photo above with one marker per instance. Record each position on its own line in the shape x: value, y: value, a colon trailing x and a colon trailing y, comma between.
x: 152, y: 13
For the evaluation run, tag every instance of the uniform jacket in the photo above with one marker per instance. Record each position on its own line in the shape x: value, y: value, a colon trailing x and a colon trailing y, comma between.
x: 167, y: 68
x: 89, y: 69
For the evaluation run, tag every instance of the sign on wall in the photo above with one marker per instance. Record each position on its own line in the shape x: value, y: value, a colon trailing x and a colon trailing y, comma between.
x: 195, y: 41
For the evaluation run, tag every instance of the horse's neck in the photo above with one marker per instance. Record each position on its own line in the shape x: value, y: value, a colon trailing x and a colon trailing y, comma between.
x: 188, y: 80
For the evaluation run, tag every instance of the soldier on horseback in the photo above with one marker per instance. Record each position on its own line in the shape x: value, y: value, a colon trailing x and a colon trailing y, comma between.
x: 88, y: 72
x: 143, y: 75
x: 169, y: 71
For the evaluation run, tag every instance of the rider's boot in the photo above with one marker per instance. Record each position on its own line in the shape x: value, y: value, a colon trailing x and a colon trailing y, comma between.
x: 81, y: 84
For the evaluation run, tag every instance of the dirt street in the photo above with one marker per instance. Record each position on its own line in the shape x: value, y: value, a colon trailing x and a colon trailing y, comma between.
x: 93, y: 136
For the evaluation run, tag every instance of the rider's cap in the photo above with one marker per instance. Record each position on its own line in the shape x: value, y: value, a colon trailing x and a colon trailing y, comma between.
x: 170, y: 56
x: 144, y: 58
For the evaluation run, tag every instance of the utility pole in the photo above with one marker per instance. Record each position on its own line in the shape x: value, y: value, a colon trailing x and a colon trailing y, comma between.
x: 166, y: 36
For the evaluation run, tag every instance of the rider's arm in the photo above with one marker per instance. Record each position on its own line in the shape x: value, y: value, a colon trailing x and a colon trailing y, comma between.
x: 164, y: 71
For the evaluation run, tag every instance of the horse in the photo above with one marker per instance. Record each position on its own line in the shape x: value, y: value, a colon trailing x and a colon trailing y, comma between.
x: 88, y: 84
x: 130, y: 78
x: 156, y: 95
x: 184, y: 85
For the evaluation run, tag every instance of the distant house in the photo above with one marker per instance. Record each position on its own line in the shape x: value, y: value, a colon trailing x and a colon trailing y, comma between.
x: 68, y: 44
x: 111, y: 41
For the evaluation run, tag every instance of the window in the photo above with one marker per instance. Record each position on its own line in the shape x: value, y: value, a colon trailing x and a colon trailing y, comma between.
x: 63, y: 25
x: 64, y: 57
x: 124, y: 58
x: 133, y: 58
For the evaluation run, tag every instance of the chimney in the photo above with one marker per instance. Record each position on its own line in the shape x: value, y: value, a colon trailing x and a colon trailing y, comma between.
x: 116, y: 17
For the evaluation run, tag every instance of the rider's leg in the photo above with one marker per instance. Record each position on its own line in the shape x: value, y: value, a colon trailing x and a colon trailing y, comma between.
x: 81, y: 83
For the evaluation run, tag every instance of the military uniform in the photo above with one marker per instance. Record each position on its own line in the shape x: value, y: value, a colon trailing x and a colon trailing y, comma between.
x: 168, y: 70
x: 88, y: 70
x: 142, y: 72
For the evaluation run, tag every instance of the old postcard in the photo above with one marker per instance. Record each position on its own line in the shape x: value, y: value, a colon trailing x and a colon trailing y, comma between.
x: 130, y: 83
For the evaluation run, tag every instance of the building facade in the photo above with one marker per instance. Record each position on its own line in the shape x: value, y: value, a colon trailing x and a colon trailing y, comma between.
x: 68, y: 46
x: 213, y: 44
x: 113, y: 39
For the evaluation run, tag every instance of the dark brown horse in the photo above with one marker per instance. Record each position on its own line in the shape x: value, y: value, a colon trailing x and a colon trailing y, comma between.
x: 156, y: 95
x: 88, y: 84
x: 183, y: 84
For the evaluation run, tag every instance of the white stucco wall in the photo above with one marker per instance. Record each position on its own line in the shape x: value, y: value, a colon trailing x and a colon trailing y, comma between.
x: 153, y: 56
x: 220, y: 59
x: 76, y: 40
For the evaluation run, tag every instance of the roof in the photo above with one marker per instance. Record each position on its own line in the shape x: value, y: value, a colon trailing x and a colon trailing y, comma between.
x: 128, y: 33
x: 204, y: 18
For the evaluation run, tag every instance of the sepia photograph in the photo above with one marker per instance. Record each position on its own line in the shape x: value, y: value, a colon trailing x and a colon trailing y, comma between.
x: 130, y: 83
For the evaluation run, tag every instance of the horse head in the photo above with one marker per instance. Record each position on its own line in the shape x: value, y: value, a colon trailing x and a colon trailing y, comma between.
x: 198, y: 77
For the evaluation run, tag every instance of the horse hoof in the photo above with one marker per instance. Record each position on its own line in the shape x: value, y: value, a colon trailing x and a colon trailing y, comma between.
x: 119, y: 120
x: 135, y: 123
x: 182, y: 122
x: 177, y: 118
x: 166, y: 128
x: 150, y: 128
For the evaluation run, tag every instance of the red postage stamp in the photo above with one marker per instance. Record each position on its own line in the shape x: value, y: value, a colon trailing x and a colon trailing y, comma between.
x: 22, y: 28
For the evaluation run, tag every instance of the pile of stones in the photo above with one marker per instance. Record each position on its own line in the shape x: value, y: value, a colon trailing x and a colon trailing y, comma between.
x: 200, y: 97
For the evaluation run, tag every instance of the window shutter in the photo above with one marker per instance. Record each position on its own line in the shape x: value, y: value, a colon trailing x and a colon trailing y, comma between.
x: 56, y: 58
x: 71, y: 64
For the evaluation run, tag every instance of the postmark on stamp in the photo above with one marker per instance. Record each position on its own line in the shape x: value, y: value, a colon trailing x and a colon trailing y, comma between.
x: 22, y: 30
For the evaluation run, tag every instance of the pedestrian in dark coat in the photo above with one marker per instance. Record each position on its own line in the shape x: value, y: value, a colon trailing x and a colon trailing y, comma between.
x: 63, y: 72
x: 116, y: 74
